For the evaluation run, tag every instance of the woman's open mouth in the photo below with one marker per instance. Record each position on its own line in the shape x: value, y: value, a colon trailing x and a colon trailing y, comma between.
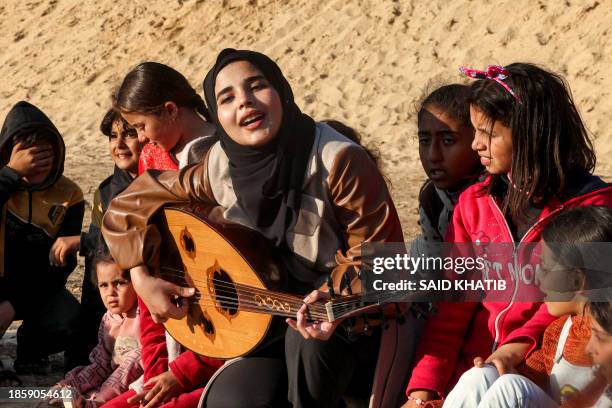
x: 252, y: 120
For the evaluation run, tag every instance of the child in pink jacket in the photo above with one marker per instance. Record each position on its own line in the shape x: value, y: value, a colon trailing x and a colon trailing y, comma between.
x: 115, y: 363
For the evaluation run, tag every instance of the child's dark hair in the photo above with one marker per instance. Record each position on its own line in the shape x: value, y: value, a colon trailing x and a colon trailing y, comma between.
x: 453, y: 99
x: 549, y: 140
x: 354, y: 136
x: 582, y: 224
x: 149, y: 85
x: 602, y: 313
x: 579, y: 238
x: 110, y: 117
x: 103, y: 256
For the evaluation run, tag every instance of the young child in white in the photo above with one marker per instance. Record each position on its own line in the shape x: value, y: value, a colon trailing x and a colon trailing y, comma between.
x: 559, y: 374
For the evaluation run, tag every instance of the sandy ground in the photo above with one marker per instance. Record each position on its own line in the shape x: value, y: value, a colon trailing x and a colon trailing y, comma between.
x: 363, y: 62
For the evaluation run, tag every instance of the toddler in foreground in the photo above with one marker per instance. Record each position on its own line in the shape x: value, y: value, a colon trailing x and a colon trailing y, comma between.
x: 115, y: 362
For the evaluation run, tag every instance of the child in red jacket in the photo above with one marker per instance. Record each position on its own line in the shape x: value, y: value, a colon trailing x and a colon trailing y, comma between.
x: 167, y: 113
x: 559, y: 372
x: 533, y: 144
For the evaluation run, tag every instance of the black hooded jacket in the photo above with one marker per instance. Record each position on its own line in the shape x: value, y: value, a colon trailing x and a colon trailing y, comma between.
x: 112, y: 186
x: 33, y: 217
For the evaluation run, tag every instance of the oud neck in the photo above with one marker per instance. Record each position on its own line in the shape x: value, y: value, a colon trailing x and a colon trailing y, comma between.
x: 287, y: 305
x: 280, y: 304
x: 283, y: 304
x: 233, y: 297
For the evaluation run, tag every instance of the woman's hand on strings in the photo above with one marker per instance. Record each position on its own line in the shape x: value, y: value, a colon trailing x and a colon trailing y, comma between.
x: 312, y: 330
x: 164, y: 299
x: 158, y: 389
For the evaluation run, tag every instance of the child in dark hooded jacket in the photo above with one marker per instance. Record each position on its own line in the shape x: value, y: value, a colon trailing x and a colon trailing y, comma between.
x: 124, y: 148
x: 38, y: 205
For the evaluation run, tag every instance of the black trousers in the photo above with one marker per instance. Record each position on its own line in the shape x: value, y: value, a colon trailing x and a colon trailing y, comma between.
x: 48, y: 329
x: 297, y: 372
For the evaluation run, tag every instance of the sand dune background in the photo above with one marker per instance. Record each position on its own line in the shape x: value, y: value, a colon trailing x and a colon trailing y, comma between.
x: 364, y: 62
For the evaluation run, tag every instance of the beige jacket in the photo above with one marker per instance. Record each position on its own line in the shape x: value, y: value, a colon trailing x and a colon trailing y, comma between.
x: 345, y: 202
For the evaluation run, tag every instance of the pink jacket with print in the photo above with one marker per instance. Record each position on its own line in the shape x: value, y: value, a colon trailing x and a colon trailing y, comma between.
x: 114, y: 362
x: 459, y: 332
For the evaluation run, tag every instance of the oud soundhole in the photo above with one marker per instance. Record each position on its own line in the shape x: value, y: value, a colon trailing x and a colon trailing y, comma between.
x: 197, y: 318
x: 187, y: 243
x: 226, y: 293
x: 207, y: 325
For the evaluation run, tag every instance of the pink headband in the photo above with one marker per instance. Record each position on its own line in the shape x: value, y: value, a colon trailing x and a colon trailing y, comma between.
x: 495, y: 73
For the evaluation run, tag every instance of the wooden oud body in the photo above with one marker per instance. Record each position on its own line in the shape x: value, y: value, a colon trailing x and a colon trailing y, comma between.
x: 221, y: 260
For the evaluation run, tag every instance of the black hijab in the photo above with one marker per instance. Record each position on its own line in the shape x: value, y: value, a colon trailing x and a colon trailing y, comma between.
x: 267, y: 179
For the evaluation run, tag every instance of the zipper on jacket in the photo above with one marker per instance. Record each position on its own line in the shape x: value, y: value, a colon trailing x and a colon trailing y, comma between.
x: 515, y: 257
x: 515, y: 291
x: 553, y: 212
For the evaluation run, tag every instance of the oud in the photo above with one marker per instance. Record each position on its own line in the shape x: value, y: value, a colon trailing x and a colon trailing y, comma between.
x: 237, y: 284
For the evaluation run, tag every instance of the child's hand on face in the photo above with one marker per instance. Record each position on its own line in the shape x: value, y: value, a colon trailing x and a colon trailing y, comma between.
x: 164, y: 387
x: 62, y: 248
x: 30, y: 161
x: 505, y: 358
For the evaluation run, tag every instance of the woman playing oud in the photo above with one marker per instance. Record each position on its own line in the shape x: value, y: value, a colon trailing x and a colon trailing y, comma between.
x: 313, y: 193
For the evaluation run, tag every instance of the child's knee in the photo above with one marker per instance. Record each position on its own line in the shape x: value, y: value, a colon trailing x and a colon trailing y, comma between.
x: 512, y: 382
x: 476, y: 376
x: 472, y: 387
x: 513, y: 390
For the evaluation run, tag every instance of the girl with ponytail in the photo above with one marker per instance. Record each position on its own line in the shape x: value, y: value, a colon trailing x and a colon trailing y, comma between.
x: 166, y: 111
